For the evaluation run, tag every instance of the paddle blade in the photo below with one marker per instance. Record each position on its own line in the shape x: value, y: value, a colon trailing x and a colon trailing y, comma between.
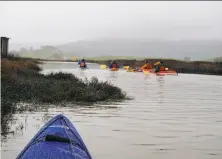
x: 126, y: 67
x: 146, y: 72
x: 157, y: 63
x: 103, y: 66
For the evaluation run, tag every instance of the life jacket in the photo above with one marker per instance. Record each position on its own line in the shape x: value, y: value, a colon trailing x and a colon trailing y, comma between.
x: 114, y: 65
x: 162, y: 68
x: 148, y: 66
x: 82, y: 64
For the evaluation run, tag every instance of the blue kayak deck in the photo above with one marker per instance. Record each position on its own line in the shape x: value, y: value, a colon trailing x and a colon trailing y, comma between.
x: 58, y: 138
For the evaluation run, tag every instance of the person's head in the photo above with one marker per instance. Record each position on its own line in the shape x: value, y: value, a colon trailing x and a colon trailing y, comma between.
x: 146, y: 62
x: 161, y: 62
x: 83, y: 60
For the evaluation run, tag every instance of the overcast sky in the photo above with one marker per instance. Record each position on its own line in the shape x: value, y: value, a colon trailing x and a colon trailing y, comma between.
x: 63, y: 22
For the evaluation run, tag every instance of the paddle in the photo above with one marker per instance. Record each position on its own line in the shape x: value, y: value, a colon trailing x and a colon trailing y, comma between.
x: 156, y: 63
x: 146, y: 72
x: 103, y: 66
x: 126, y: 67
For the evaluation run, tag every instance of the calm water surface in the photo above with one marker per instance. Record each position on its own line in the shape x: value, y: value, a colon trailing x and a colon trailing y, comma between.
x: 170, y: 117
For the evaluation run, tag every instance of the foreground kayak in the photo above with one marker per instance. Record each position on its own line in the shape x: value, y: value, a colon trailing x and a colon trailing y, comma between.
x: 58, y: 138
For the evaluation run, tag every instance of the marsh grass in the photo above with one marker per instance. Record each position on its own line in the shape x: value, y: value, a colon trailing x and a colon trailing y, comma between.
x: 22, y: 82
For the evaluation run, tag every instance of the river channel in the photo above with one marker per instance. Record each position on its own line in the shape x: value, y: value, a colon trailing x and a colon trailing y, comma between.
x: 170, y: 117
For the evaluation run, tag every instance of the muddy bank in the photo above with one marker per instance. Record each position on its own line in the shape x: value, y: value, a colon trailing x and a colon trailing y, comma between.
x: 196, y: 67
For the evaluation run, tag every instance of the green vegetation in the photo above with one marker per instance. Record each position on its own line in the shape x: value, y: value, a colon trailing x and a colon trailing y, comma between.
x: 22, y: 82
x: 216, y: 59
x: 102, y: 59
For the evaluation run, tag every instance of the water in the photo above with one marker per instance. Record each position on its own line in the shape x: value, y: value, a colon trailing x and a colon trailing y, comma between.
x: 170, y: 117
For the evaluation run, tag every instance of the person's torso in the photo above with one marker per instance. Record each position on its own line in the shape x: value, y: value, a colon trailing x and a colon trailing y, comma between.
x: 147, y: 66
x: 114, y: 65
x: 82, y: 64
x: 162, y: 68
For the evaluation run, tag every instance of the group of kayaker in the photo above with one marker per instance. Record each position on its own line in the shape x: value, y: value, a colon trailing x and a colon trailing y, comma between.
x: 147, y: 66
x: 113, y: 65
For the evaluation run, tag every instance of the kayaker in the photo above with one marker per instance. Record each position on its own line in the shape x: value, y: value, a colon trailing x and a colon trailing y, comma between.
x: 146, y: 66
x: 82, y: 64
x: 160, y: 67
x: 114, y: 65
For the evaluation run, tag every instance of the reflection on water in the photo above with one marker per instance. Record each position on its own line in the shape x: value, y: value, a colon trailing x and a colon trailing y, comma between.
x: 170, y: 117
x: 160, y: 91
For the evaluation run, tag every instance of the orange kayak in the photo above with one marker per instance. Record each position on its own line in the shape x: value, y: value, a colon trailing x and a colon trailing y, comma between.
x: 167, y: 72
x: 146, y: 70
x: 114, y: 69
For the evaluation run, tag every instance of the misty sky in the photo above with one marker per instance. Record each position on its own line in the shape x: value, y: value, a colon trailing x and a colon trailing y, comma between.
x: 62, y: 22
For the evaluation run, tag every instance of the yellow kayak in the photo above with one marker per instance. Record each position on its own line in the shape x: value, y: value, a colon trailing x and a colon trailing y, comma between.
x: 131, y: 70
x: 125, y: 67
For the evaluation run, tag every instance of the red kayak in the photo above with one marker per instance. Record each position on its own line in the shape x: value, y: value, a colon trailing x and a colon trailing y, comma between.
x: 146, y: 70
x: 163, y: 73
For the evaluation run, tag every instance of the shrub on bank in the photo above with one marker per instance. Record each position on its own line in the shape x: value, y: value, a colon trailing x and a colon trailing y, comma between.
x: 21, y: 81
x: 61, y: 87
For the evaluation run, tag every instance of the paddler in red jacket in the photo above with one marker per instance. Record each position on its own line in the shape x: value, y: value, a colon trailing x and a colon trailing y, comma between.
x: 160, y: 67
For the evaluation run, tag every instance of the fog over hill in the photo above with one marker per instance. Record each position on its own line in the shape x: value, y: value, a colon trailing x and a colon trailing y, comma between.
x: 127, y: 28
x: 196, y: 50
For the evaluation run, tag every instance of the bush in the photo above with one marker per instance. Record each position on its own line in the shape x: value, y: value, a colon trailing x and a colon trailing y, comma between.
x: 21, y: 81
x: 60, y: 87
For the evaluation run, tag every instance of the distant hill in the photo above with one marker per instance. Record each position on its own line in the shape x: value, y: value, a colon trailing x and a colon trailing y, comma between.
x: 192, y: 50
x: 196, y: 50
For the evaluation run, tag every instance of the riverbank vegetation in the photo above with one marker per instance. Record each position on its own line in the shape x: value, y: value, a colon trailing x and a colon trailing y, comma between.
x: 21, y: 81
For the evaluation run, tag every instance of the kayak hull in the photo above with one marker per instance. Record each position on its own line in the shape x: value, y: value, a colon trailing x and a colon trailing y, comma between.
x: 130, y: 70
x: 146, y: 70
x: 163, y: 73
x: 113, y: 69
x: 72, y: 145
